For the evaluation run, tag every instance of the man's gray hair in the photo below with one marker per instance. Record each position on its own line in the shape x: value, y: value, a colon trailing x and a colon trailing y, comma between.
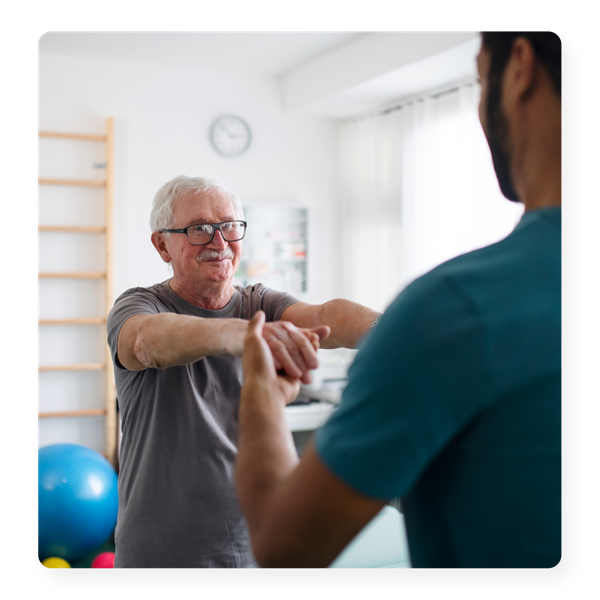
x: 164, y: 200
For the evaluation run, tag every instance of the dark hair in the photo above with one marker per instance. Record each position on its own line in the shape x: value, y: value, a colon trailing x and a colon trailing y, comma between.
x: 546, y: 44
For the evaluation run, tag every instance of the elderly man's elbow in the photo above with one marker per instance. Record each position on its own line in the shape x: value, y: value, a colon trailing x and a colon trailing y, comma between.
x: 143, y: 353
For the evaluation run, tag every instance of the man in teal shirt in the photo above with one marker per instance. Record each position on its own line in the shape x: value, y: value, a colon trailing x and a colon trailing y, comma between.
x: 453, y: 404
x: 454, y: 400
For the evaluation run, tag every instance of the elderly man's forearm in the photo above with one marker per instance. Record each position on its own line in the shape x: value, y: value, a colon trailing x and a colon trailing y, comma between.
x: 169, y: 340
x: 349, y: 322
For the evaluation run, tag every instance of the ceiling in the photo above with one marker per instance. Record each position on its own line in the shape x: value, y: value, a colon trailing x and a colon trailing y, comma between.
x: 326, y: 74
x: 264, y: 53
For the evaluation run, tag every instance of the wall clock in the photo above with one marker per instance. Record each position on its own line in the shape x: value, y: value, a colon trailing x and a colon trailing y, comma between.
x: 230, y: 135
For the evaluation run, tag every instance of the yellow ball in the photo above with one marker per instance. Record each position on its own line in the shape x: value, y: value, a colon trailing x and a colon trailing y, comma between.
x: 54, y: 562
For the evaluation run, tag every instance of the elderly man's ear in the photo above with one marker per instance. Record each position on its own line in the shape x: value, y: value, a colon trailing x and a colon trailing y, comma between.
x: 158, y: 242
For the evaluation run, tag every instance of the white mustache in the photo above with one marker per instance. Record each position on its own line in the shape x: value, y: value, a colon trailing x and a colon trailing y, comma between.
x: 209, y: 254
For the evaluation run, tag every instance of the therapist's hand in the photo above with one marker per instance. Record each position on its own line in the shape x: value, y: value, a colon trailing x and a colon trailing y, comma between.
x: 262, y: 382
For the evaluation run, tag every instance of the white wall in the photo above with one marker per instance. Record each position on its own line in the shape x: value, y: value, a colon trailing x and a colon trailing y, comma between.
x: 162, y: 118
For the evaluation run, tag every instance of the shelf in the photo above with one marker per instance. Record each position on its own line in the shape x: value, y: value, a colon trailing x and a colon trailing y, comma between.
x: 73, y: 228
x: 76, y: 182
x: 83, y: 321
x: 89, y: 275
x: 92, y: 412
x: 88, y: 137
x: 79, y: 367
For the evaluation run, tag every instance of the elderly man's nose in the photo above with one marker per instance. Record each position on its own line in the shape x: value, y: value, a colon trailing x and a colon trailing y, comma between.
x: 218, y: 240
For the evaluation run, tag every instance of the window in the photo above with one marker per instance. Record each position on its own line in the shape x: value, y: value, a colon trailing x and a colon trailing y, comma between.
x: 418, y: 188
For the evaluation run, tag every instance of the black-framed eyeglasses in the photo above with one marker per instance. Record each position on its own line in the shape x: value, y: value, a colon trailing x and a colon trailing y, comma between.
x: 199, y: 235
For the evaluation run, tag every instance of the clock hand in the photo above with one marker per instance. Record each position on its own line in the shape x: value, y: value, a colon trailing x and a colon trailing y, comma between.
x: 223, y: 128
x: 229, y: 133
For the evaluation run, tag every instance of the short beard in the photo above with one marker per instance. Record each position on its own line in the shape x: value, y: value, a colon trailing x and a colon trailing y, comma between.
x: 497, y: 137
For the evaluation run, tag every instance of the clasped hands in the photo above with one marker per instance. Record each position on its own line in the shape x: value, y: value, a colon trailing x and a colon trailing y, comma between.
x: 279, y: 355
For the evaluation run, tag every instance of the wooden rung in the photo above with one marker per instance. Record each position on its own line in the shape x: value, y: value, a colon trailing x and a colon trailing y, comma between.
x: 89, y: 275
x: 73, y: 228
x: 73, y: 136
x: 77, y: 182
x: 83, y: 321
x: 79, y: 367
x: 92, y: 412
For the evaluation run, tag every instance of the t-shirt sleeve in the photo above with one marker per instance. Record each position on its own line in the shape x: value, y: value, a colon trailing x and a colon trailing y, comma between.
x: 133, y: 302
x: 274, y: 303
x: 417, y: 380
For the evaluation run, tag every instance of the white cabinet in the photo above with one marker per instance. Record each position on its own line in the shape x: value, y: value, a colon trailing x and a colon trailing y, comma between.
x: 308, y: 417
x: 275, y: 248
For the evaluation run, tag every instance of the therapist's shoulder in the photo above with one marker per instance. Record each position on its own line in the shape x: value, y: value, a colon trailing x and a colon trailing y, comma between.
x: 429, y: 306
x: 464, y: 275
x: 426, y: 292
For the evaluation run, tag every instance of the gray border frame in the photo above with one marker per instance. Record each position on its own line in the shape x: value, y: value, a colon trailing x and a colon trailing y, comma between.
x: 565, y: 577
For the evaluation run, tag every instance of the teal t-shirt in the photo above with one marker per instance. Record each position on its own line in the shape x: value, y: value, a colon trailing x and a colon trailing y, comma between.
x: 454, y: 404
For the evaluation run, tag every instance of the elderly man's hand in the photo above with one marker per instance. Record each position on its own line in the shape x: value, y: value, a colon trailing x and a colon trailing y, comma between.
x: 261, y: 379
x: 294, y: 350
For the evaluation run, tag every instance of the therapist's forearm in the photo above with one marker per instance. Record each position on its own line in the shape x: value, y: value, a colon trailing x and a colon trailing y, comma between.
x: 299, y: 513
x: 265, y: 460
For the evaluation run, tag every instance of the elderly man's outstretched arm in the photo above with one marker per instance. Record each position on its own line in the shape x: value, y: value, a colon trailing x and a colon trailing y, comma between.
x: 166, y: 339
x: 348, y: 321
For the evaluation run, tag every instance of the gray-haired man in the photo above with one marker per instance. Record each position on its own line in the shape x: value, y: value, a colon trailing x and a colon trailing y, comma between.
x: 176, y: 348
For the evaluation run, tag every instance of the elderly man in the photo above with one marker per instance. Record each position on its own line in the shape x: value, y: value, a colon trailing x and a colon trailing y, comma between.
x: 176, y: 348
x: 454, y: 401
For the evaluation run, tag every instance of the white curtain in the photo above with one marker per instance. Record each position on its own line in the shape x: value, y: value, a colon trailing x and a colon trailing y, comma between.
x: 418, y: 188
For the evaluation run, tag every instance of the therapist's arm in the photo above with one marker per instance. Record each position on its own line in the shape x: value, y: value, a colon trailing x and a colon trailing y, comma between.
x: 299, y: 513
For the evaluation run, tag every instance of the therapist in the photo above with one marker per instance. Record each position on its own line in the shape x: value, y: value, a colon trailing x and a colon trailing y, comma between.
x: 454, y: 401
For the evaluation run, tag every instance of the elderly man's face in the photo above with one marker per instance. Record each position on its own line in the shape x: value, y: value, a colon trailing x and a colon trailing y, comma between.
x: 214, y: 262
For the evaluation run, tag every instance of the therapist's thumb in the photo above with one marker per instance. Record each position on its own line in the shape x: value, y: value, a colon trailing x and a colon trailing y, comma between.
x: 256, y: 355
x: 255, y: 327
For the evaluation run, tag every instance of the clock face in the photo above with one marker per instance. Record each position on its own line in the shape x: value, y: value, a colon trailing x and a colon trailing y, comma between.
x: 230, y: 135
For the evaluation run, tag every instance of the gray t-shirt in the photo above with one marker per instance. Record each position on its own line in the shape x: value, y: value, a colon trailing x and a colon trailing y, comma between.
x: 177, y: 503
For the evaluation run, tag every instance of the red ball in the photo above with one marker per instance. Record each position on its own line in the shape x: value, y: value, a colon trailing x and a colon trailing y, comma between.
x: 106, y: 560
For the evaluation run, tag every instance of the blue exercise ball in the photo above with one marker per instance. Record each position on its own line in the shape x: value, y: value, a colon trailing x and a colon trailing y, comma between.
x: 77, y: 501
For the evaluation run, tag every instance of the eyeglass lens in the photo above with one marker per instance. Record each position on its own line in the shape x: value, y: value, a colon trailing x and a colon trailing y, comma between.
x: 232, y: 231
